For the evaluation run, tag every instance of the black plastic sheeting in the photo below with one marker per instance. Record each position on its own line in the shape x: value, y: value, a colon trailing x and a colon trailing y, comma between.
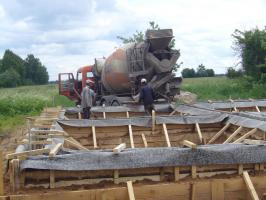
x: 149, y: 157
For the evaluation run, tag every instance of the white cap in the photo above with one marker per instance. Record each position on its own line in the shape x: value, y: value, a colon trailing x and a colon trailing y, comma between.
x: 143, y: 80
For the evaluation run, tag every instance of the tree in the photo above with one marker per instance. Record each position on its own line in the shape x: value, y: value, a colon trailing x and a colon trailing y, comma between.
x: 9, y: 78
x: 188, y: 73
x: 251, y: 48
x: 210, y: 72
x: 201, y: 71
x: 232, y: 73
x: 13, y: 61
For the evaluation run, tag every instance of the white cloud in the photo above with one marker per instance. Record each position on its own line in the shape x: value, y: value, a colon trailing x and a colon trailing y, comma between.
x: 67, y: 35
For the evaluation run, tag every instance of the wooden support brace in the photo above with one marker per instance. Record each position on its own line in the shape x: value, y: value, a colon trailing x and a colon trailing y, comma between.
x: 193, y: 171
x: 250, y: 186
x: 177, y: 173
x: 131, y: 136
x: 189, y: 144
x: 199, y: 132
x: 144, y: 140
x: 1, y: 174
x: 172, y: 113
x: 119, y: 148
x: 217, y: 190
x: 246, y: 135
x: 166, y: 135
x: 52, y: 179
x: 130, y: 190
x: 153, y: 120
x: 217, y: 135
x: 229, y: 139
x: 94, y: 137
x: 74, y: 144
x: 55, y: 150
x: 27, y: 153
x: 257, y: 108
x: 253, y: 142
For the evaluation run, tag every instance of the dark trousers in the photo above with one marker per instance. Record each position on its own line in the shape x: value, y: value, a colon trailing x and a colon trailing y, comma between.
x: 86, y: 113
x: 148, y: 108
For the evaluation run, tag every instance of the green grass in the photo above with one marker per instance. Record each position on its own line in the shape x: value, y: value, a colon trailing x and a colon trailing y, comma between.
x: 222, y: 88
x: 16, y: 103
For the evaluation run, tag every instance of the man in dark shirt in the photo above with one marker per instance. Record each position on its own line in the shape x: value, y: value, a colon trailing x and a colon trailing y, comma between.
x: 147, y: 96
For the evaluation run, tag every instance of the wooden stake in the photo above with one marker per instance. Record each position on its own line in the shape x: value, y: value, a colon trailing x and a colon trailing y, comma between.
x: 229, y: 139
x: 246, y: 135
x: 144, y: 140
x: 199, y: 132
x: 153, y: 120
x: 217, y: 135
x: 177, y: 173
x: 130, y: 190
x: 250, y: 186
x: 94, y: 137
x: 131, y: 136
x: 119, y: 148
x: 166, y: 135
x: 55, y: 150
x: 1, y: 174
x: 189, y: 144
x: 52, y: 179
x: 240, y: 169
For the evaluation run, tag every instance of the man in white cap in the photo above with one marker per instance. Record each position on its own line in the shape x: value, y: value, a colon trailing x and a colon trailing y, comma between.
x: 147, y: 96
x: 87, y: 99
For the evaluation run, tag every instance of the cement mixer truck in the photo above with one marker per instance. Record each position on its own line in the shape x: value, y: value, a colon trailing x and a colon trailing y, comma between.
x: 117, y: 77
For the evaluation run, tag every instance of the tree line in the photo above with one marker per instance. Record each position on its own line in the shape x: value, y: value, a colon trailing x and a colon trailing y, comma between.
x: 250, y: 46
x: 201, y: 71
x: 14, y: 71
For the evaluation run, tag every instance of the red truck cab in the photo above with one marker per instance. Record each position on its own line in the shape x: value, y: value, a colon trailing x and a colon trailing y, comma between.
x: 71, y: 87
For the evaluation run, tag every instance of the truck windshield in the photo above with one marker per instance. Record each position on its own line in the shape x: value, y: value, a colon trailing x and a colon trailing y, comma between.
x: 89, y: 74
x: 79, y: 76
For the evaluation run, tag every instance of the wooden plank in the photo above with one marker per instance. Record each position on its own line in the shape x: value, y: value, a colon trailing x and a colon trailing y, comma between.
x: 189, y: 144
x: 131, y: 136
x: 74, y: 144
x: 41, y: 142
x: 94, y: 137
x: 52, y: 179
x: 246, y: 135
x: 199, y: 132
x: 130, y: 190
x: 55, y: 150
x: 166, y: 135
x: 119, y: 148
x: 217, y: 190
x: 253, y: 142
x: 250, y: 186
x: 217, y: 135
x: 229, y: 139
x: 1, y: 173
x: 144, y: 140
x: 27, y: 153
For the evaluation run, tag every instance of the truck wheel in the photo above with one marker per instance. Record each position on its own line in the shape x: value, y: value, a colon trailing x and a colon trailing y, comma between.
x: 115, y: 103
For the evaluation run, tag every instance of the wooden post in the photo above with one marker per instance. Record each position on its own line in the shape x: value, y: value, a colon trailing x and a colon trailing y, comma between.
x: 131, y: 136
x: 166, y: 135
x: 229, y: 139
x: 177, y: 173
x: 127, y: 114
x: 52, y: 179
x: 250, y: 186
x: 193, y: 191
x: 79, y: 115
x: 94, y: 137
x: 153, y: 120
x: 199, y: 132
x: 240, y: 169
x: 14, y: 175
x: 246, y: 135
x: 130, y: 190
x: 217, y: 135
x: 161, y: 174
x: 1, y: 174
x: 144, y: 140
x: 217, y: 189
x: 116, y: 176
x: 104, y: 115
x: 193, y: 171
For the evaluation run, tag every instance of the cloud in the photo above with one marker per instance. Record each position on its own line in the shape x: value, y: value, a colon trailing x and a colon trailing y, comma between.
x: 68, y: 34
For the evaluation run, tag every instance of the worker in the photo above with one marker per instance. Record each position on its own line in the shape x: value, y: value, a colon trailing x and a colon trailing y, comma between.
x: 87, y: 99
x: 147, y: 96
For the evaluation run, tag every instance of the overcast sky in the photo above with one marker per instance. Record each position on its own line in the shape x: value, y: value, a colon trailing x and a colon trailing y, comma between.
x: 67, y: 34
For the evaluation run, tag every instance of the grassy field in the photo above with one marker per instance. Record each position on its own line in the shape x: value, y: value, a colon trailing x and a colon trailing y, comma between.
x: 222, y: 88
x: 16, y: 103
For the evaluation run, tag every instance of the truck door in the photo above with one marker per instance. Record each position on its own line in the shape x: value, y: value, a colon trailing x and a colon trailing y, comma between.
x: 67, y: 86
